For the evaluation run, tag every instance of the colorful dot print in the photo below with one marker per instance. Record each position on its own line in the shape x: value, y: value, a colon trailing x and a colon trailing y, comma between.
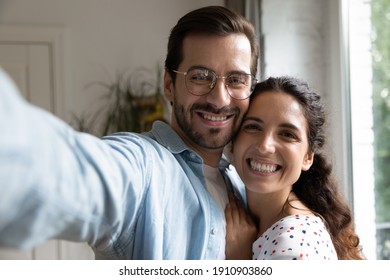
x: 297, y: 237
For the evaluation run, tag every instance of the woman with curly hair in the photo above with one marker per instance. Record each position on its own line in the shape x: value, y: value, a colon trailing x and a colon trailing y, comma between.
x: 296, y: 210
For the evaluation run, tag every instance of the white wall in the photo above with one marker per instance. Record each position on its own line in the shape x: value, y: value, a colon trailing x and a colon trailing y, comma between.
x: 102, y: 37
x: 294, y: 39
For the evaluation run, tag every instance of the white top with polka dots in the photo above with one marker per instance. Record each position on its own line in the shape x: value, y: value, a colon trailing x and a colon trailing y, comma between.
x: 296, y: 237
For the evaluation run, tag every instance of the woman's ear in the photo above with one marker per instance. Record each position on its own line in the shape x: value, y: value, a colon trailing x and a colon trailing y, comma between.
x: 308, y: 161
x: 168, y: 86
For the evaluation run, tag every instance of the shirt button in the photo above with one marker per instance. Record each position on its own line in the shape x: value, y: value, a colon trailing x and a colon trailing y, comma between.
x: 213, y: 231
x: 192, y: 155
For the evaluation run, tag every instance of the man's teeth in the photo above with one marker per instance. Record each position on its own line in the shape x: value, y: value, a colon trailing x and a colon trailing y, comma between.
x: 263, y: 167
x: 214, y: 118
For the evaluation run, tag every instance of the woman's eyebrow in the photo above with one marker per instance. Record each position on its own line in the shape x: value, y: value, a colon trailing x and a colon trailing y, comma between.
x: 250, y: 118
x: 290, y: 126
x: 283, y: 125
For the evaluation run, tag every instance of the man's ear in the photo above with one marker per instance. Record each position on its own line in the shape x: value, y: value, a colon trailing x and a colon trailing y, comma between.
x: 168, y: 86
x: 308, y: 161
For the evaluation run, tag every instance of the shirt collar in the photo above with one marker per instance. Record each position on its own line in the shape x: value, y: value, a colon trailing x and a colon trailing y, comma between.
x: 164, y: 134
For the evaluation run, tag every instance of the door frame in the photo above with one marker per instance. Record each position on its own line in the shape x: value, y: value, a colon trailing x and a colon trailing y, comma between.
x: 54, y: 38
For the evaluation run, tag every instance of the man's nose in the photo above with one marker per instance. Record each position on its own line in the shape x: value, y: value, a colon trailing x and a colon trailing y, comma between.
x: 219, y: 95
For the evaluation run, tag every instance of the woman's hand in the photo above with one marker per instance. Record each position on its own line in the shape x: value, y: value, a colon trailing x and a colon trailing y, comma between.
x: 241, y: 231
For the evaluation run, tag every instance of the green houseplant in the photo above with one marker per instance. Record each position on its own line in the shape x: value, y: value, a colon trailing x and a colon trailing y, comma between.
x: 129, y: 103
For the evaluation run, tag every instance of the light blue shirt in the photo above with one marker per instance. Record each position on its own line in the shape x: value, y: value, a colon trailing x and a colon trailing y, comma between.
x: 130, y: 196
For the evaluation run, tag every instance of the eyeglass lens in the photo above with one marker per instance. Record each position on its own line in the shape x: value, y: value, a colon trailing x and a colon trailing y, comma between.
x: 200, y: 81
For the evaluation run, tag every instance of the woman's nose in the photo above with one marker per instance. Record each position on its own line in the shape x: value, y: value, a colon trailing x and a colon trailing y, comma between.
x: 266, y: 143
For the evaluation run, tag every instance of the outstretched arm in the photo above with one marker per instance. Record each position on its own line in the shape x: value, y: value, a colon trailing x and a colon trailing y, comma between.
x: 56, y: 182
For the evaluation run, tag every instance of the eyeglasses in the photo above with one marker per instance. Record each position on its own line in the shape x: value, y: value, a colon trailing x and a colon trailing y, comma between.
x: 201, y: 81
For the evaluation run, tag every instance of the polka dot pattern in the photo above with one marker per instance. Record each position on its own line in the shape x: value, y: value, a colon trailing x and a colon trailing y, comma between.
x: 297, y: 237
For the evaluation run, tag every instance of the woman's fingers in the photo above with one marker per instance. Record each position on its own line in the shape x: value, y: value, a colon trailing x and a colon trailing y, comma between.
x: 240, y: 230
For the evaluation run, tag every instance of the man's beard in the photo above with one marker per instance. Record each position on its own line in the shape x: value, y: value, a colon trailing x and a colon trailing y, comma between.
x: 210, y: 140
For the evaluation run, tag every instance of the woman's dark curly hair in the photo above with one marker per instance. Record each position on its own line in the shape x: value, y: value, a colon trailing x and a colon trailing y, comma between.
x: 317, y: 187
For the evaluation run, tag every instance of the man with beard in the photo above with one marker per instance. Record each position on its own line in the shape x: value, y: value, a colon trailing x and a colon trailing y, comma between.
x: 157, y: 195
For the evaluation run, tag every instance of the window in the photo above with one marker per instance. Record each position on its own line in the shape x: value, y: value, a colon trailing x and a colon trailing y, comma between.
x: 369, y: 73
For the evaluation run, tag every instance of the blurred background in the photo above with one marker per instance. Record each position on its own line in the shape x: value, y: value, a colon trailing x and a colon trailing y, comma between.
x: 75, y: 58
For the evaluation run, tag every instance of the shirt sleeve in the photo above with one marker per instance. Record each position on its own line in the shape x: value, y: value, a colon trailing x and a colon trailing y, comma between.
x: 59, y: 183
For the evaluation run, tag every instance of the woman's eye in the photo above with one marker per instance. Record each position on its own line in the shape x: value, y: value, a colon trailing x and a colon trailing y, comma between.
x: 250, y: 127
x: 289, y: 135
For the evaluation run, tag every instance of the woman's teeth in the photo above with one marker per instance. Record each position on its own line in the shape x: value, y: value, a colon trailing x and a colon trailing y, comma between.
x: 262, y: 167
